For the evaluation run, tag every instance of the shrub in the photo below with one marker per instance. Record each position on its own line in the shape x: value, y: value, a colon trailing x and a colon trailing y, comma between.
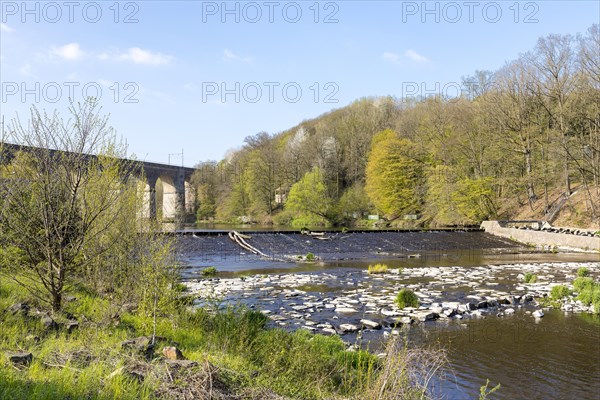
x: 209, y: 271
x: 559, y: 291
x: 596, y: 304
x: 310, y: 257
x: 590, y: 295
x: 582, y: 283
x: 406, y: 372
x: 283, y: 218
x: 407, y: 298
x: 583, y: 272
x: 304, y: 220
x: 378, y: 269
x: 530, y: 278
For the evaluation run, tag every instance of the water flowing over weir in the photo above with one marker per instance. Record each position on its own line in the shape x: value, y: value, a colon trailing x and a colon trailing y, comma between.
x: 336, y: 246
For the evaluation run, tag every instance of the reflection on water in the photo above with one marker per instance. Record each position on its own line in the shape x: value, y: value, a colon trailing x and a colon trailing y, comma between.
x: 557, y: 357
x: 229, y: 267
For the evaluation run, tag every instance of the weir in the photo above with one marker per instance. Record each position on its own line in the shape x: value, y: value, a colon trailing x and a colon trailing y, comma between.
x: 349, y: 245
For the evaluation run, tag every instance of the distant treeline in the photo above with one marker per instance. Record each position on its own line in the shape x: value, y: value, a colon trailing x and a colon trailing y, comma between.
x: 516, y: 136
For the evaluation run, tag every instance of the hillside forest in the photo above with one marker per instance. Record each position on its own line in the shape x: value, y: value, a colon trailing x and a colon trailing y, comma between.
x: 517, y: 142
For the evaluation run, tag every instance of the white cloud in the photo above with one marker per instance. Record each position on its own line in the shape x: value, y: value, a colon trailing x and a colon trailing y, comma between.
x: 141, y: 56
x: 6, y: 28
x: 69, y: 51
x: 394, y: 58
x: 230, y: 55
x: 416, y: 57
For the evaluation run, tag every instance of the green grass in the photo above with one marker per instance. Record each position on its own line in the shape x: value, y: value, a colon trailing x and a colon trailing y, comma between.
x: 530, y: 278
x: 235, y: 340
x: 590, y: 295
x: 582, y: 283
x: 583, y: 272
x: 378, y: 269
x: 407, y: 298
x: 61, y: 366
x: 559, y: 291
x: 588, y: 291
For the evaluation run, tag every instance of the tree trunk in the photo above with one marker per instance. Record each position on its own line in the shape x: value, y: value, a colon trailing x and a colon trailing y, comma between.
x: 530, y: 187
x: 56, y: 300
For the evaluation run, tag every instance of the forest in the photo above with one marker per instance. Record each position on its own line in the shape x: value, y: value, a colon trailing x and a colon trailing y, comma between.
x: 517, y: 142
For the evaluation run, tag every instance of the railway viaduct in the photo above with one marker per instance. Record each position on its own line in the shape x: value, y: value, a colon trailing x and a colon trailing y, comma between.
x: 173, y: 182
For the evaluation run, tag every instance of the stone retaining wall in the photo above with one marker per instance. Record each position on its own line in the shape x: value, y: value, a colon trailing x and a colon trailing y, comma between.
x: 541, y: 238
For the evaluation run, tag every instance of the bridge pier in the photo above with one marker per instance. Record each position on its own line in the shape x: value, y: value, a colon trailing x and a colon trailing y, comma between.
x: 168, y: 195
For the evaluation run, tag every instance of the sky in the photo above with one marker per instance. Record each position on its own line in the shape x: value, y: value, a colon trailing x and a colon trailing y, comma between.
x: 197, y: 77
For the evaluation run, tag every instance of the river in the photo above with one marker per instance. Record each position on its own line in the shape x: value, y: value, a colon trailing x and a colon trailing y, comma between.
x: 554, y: 357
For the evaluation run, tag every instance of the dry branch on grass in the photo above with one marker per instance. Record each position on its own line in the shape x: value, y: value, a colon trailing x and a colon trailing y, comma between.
x: 205, y: 381
x: 407, y: 373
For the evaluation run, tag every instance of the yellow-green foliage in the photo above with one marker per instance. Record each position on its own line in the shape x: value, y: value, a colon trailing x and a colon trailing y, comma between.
x: 589, y: 292
x: 378, y: 269
x: 454, y: 200
x: 407, y: 298
x: 583, y: 283
x: 530, y: 278
x: 354, y: 200
x: 393, y: 174
x: 308, y: 200
x: 559, y: 291
x: 583, y: 272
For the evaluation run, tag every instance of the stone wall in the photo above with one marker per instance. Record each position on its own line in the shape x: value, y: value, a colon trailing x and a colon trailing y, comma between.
x: 541, y: 238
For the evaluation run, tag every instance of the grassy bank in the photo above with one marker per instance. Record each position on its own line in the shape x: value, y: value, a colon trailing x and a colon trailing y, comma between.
x: 235, y: 356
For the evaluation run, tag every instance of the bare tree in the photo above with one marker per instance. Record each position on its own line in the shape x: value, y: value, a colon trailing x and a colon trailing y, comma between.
x: 62, y: 194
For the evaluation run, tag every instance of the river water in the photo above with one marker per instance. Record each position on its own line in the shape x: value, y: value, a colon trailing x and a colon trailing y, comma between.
x: 555, y: 357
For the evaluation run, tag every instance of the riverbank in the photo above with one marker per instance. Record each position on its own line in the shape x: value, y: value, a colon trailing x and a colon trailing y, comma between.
x: 98, y: 350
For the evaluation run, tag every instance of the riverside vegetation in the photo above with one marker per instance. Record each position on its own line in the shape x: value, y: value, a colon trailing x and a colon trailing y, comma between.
x: 91, y: 307
x: 583, y: 289
x: 232, y: 355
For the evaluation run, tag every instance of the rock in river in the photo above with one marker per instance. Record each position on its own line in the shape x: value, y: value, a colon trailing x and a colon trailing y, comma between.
x: 370, y: 324
x: 348, y: 328
x: 345, y: 310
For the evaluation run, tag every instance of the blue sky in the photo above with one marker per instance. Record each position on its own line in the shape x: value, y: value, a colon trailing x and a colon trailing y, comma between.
x: 201, y: 76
